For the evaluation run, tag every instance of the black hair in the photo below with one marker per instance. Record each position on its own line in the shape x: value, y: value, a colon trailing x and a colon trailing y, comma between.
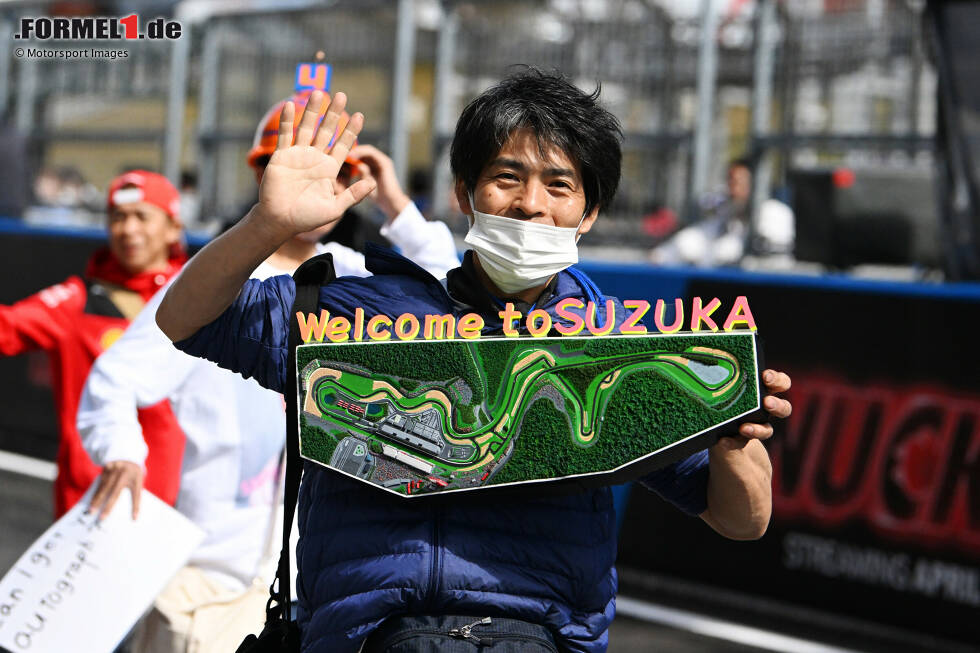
x: 558, y: 113
x: 741, y: 162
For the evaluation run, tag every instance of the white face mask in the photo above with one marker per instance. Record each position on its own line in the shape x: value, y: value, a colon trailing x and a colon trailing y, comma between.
x: 520, y: 254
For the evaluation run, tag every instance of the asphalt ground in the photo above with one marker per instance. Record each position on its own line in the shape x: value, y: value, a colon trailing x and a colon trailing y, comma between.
x: 657, y: 615
x: 26, y: 509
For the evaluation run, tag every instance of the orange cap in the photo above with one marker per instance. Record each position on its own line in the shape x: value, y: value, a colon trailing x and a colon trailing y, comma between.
x: 267, y: 133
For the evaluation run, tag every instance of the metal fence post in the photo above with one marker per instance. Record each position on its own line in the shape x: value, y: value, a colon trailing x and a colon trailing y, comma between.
x: 26, y: 92
x: 207, y: 121
x: 176, y: 100
x: 441, y: 127
x: 915, y: 89
x: 707, y: 76
x: 763, y: 64
x: 6, y: 36
x: 402, y: 86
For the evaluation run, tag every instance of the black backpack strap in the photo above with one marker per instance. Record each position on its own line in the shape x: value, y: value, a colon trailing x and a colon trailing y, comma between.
x: 314, y: 273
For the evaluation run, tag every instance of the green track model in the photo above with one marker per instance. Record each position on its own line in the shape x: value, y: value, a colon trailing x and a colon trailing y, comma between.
x: 421, y: 417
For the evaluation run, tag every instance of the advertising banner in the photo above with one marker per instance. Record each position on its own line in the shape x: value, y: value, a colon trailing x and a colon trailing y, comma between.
x: 876, y: 476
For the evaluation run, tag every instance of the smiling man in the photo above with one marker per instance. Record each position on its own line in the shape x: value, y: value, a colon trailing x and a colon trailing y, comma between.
x: 76, y: 320
x: 535, y: 161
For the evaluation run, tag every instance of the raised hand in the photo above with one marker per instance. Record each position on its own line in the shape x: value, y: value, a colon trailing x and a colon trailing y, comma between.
x: 297, y: 192
x: 377, y: 165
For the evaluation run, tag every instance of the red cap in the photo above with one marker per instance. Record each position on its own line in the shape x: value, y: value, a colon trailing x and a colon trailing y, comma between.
x: 144, y: 186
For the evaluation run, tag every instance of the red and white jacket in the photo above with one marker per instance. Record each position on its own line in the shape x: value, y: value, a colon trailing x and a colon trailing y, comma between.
x: 75, y: 321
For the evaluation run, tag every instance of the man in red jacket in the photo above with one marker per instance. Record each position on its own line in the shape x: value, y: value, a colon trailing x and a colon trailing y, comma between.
x: 79, y: 318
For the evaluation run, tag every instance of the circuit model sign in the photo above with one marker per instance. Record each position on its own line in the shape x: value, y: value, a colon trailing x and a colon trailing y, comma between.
x: 423, y: 417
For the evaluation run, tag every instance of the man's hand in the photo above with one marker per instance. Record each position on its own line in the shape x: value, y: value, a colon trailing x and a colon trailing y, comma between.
x: 775, y: 382
x: 297, y: 190
x: 116, y: 476
x: 776, y: 406
x: 296, y: 196
x: 740, y: 473
x: 377, y: 165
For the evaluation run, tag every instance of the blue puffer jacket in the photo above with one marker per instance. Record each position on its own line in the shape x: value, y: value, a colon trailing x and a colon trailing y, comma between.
x: 364, y: 555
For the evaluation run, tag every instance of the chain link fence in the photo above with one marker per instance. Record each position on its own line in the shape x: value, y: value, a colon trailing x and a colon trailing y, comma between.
x: 248, y: 63
x: 853, y: 92
x: 87, y: 109
x: 636, y: 51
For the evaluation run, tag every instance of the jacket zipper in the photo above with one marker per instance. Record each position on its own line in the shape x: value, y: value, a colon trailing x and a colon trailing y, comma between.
x: 482, y: 641
x: 492, y: 637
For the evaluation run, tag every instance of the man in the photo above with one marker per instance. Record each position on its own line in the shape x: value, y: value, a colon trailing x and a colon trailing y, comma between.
x: 721, y: 236
x: 535, y: 160
x: 235, y: 432
x: 76, y: 320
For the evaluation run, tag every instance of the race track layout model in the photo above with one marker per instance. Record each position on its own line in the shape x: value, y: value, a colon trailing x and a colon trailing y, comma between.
x: 422, y: 417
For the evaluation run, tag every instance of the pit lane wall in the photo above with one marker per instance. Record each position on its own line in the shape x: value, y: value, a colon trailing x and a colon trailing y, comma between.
x: 876, y: 476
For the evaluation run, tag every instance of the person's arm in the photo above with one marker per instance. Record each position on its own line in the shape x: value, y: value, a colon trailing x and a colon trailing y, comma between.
x: 347, y: 262
x: 41, y: 320
x: 251, y: 337
x: 296, y: 195
x: 378, y: 166
x: 141, y: 369
x: 683, y: 483
x: 688, y: 246
x: 429, y: 244
x: 739, y: 493
x: 729, y: 484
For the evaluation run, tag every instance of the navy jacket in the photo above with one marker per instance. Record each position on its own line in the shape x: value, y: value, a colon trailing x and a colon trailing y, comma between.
x: 364, y: 555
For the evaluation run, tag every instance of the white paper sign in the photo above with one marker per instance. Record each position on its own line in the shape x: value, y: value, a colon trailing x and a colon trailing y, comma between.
x: 83, y: 584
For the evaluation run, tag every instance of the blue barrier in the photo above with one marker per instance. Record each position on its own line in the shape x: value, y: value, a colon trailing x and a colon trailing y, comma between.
x: 635, y: 280
x: 18, y: 227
